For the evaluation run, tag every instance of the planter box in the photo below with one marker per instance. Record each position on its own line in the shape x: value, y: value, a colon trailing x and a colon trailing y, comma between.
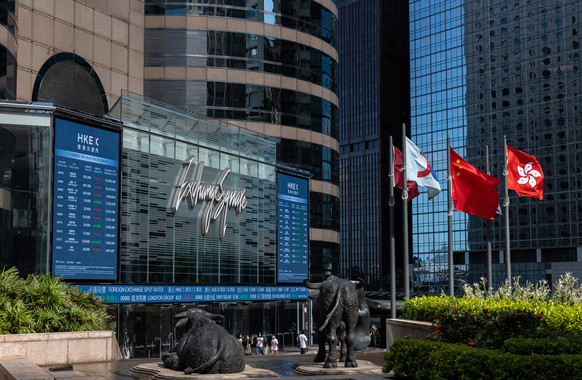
x: 46, y: 349
x: 402, y: 328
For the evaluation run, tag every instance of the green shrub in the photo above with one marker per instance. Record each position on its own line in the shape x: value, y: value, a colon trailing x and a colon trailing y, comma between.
x: 409, y: 359
x: 421, y: 359
x: 543, y: 346
x: 516, y: 332
x: 41, y: 303
x: 487, y: 328
x: 561, y: 310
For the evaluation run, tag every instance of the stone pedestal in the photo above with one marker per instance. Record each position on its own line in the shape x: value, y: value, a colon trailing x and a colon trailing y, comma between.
x: 45, y: 349
x: 158, y: 371
x: 402, y: 328
x: 316, y: 369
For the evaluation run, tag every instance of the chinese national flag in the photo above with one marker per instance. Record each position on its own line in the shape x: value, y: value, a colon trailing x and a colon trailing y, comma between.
x: 524, y: 174
x: 473, y: 191
x: 410, y: 185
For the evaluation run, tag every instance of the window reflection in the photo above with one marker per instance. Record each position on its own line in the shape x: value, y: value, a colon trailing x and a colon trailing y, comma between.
x: 182, y: 47
x: 320, y: 161
x: 271, y: 105
x: 309, y: 17
x: 249, y: 102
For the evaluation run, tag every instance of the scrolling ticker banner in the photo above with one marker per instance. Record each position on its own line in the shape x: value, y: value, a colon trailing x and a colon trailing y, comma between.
x: 85, y: 202
x: 126, y: 293
x: 292, y: 228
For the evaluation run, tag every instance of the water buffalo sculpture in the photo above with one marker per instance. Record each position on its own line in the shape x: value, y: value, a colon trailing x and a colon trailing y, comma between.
x: 363, y: 338
x: 337, y: 306
x: 206, y: 347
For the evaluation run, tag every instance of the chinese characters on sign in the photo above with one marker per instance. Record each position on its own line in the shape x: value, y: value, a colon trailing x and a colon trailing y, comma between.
x: 114, y: 294
x: 85, y: 201
x: 292, y: 228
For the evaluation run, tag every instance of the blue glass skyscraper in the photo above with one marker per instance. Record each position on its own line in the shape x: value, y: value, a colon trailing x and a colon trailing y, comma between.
x: 482, y: 70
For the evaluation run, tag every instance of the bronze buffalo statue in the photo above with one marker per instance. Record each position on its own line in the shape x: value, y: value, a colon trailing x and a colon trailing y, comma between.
x: 338, y: 304
x: 206, y: 347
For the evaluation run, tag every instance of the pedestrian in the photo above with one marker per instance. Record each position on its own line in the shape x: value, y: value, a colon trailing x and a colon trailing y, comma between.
x: 302, y: 342
x: 274, y: 345
x: 240, y: 338
x: 260, y: 345
x: 374, y: 334
x: 247, y: 344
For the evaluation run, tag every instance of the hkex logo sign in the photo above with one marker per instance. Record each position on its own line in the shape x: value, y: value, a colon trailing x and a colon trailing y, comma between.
x: 87, y: 143
x: 87, y: 139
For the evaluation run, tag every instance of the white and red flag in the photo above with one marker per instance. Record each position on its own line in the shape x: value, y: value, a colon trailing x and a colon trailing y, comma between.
x: 418, y: 169
x: 524, y: 174
x: 410, y: 185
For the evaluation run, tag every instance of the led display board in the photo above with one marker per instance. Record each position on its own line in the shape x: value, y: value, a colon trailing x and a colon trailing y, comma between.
x: 292, y: 228
x: 85, y: 202
x: 125, y: 293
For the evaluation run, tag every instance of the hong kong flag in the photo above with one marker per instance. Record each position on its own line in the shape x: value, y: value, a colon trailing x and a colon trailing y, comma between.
x: 524, y: 174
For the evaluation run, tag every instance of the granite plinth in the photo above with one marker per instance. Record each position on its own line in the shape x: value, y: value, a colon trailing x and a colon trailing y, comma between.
x: 364, y: 368
x: 158, y: 372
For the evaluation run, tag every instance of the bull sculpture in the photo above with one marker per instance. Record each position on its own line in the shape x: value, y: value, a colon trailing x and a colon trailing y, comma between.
x: 206, y: 347
x: 338, y: 304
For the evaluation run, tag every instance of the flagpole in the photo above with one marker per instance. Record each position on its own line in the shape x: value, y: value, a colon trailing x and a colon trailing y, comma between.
x: 405, y: 216
x: 488, y: 233
x: 392, y: 238
x: 506, y: 205
x: 450, y: 219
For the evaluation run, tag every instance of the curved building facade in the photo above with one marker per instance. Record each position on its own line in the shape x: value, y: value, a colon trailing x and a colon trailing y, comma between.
x: 269, y: 67
x: 75, y: 54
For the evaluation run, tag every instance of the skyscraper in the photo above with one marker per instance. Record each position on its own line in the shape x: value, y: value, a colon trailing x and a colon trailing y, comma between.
x: 374, y: 92
x: 267, y: 66
x: 482, y: 70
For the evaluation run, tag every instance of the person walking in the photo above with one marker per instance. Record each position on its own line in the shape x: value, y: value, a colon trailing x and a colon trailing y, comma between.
x: 302, y: 342
x: 247, y: 344
x: 374, y: 334
x: 274, y: 345
x: 260, y: 345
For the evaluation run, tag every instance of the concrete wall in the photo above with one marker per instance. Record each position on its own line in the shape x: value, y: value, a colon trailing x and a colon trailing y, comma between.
x: 60, y: 348
x: 402, y: 328
x: 108, y: 34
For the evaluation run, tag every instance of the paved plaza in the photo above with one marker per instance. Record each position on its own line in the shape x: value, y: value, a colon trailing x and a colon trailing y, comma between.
x: 282, y: 365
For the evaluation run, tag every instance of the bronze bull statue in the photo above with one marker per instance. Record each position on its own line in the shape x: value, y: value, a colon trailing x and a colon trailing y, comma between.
x: 206, y: 347
x: 338, y: 305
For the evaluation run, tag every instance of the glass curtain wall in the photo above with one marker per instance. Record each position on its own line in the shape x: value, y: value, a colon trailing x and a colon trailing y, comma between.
x: 161, y: 246
x: 438, y: 109
x: 482, y: 70
x: 25, y: 187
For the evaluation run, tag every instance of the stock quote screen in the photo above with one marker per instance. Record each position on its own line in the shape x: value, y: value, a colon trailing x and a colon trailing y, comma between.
x: 292, y: 228
x: 85, y: 202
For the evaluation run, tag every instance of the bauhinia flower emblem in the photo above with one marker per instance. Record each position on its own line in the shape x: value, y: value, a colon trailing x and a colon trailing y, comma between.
x: 528, y: 174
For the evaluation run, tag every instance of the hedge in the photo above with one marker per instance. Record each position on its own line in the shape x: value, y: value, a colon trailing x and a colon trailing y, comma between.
x: 557, y: 317
x: 422, y: 359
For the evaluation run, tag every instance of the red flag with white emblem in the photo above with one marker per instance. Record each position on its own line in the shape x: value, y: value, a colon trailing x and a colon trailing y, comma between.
x: 524, y: 174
